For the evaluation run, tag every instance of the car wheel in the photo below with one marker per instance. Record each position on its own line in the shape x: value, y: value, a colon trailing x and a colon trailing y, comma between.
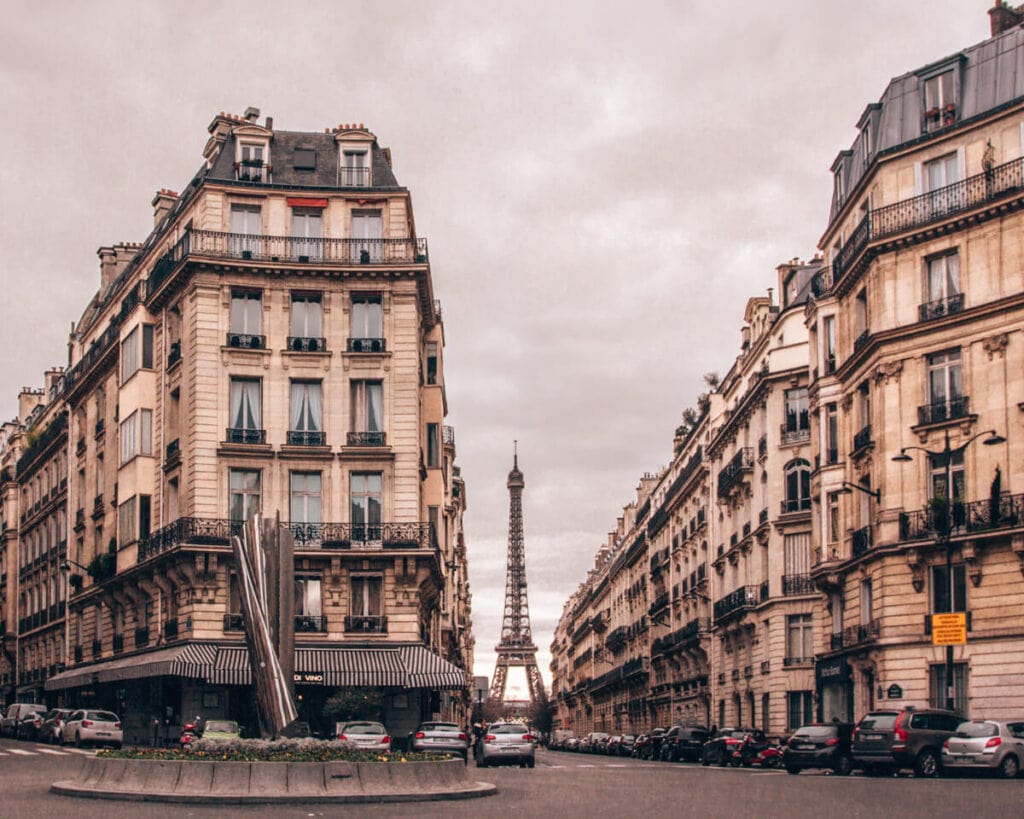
x: 60, y: 738
x: 481, y: 764
x: 844, y: 765
x: 773, y: 762
x: 1009, y: 767
x: 530, y: 763
x: 926, y: 764
x: 792, y: 771
x: 723, y: 761
x: 78, y: 740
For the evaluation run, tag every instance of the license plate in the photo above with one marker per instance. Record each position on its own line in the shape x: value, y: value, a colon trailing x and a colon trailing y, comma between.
x: 103, y: 733
x: 872, y: 737
x: 509, y: 750
x: 964, y: 760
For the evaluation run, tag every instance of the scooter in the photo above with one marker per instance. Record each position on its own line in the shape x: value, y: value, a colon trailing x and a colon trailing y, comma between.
x: 752, y: 753
x: 189, y: 734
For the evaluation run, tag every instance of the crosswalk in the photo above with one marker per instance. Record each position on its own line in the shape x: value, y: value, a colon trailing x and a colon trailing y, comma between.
x: 38, y: 750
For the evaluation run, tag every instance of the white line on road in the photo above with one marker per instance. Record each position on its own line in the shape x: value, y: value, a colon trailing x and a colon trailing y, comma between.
x: 53, y: 751
x: 22, y: 753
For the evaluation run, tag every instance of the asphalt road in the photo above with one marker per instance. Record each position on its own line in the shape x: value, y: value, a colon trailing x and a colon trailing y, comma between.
x: 564, y: 786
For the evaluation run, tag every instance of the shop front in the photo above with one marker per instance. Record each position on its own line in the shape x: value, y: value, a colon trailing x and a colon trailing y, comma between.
x: 834, y: 690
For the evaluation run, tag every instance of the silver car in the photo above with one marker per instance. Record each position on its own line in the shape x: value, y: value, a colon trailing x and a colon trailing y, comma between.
x: 369, y: 736
x: 506, y: 743
x: 87, y: 727
x: 986, y: 744
x: 443, y: 737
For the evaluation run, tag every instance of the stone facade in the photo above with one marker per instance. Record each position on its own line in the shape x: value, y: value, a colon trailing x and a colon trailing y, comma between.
x: 274, y: 344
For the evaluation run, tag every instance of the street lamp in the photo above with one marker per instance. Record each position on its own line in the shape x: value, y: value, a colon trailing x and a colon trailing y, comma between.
x: 847, y: 489
x: 944, y: 457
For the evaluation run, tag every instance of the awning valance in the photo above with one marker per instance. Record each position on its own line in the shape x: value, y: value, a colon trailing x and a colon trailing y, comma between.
x: 194, y: 660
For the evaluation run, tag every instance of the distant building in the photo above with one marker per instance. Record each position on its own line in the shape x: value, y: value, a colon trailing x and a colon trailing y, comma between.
x: 274, y: 344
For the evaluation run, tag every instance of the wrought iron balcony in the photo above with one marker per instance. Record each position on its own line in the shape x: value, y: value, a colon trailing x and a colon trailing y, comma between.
x: 307, y: 344
x: 862, y: 439
x: 302, y: 437
x: 448, y: 435
x: 861, y: 540
x: 951, y: 409
x: 794, y: 584
x: 941, y: 307
x: 366, y: 439
x: 789, y: 662
x: 354, y: 177
x: 742, y: 598
x: 660, y: 602
x: 740, y: 463
x: 366, y: 624
x: 246, y: 341
x: 1006, y: 512
x: 793, y: 505
x: 366, y: 345
x: 363, y: 536
x: 302, y: 249
x: 252, y: 170
x: 821, y: 282
x: 310, y: 624
x: 795, y: 433
x: 173, y: 353
x: 855, y: 635
x: 243, y: 435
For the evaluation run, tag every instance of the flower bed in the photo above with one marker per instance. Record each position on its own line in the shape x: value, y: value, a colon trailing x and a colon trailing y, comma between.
x: 279, y: 750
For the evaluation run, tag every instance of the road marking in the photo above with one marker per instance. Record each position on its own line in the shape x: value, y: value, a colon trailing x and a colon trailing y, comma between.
x: 22, y: 753
x: 52, y: 751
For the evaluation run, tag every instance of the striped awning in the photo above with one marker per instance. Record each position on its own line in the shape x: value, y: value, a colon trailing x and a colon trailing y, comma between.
x: 193, y: 660
x: 398, y: 667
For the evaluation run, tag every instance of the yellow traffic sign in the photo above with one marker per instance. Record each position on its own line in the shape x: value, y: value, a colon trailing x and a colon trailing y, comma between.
x: 949, y: 629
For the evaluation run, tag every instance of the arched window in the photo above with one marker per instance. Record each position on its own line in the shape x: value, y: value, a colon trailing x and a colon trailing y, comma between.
x: 798, y: 486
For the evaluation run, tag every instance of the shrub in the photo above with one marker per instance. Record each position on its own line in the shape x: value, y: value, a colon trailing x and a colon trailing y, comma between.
x: 278, y: 750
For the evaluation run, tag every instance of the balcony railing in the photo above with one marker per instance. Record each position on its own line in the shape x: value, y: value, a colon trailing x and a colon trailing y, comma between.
x: 789, y: 507
x: 1004, y: 512
x: 742, y: 598
x: 302, y: 437
x: 366, y: 438
x: 821, y: 282
x: 741, y: 462
x: 448, y: 435
x: 199, y: 531
x: 794, y: 584
x: 660, y: 602
x: 246, y: 341
x: 366, y: 624
x: 310, y: 624
x: 242, y: 435
x: 366, y: 345
x: 303, y: 249
x: 252, y: 170
x: 939, y: 411
x: 862, y: 439
x: 353, y: 177
x: 306, y: 344
x: 855, y: 635
x: 861, y: 540
x: 363, y: 536
x: 793, y: 434
x: 941, y: 307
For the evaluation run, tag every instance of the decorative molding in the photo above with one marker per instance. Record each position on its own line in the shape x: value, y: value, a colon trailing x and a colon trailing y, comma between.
x: 915, y: 563
x: 996, y: 345
x: 887, y: 371
x: 847, y: 402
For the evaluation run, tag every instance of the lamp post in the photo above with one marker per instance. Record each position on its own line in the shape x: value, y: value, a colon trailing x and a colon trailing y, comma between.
x: 944, y: 458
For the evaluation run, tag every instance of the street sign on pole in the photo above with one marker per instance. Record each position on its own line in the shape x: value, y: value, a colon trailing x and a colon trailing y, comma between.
x: 949, y: 629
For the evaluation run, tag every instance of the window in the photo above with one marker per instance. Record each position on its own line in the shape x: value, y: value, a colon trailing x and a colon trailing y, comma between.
x: 244, y: 493
x: 367, y: 323
x: 865, y: 142
x: 833, y: 517
x: 367, y: 414
x: 831, y: 434
x: 796, y: 411
x: 367, y: 230
x: 940, y: 589
x: 864, y: 405
x: 306, y: 499
x: 828, y: 331
x: 246, y: 227
x: 308, y: 231
x: 137, y: 351
x: 433, y: 518
x: 126, y: 521
x: 304, y: 159
x: 308, y: 603
x: 307, y: 321
x: 252, y: 162
x: 937, y: 688
x: 942, y: 286
x: 431, y: 362
x: 366, y: 596
x: 940, y: 483
x: 801, y: 708
x: 355, y: 171
x: 939, y: 101
x: 937, y: 177
x: 866, y: 601
x: 365, y: 505
x: 945, y: 388
x: 836, y: 603
x: 305, y: 426
x: 99, y: 474
x: 433, y: 445
x: 799, y: 638
x: 246, y: 318
x: 860, y: 317
x: 798, y: 486
x: 246, y: 422
x: 797, y: 563
x: 136, y: 435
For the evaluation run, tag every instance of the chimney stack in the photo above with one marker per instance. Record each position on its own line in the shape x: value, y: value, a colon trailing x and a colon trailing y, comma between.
x: 108, y: 267
x: 162, y: 204
x: 1003, y: 17
x: 252, y: 114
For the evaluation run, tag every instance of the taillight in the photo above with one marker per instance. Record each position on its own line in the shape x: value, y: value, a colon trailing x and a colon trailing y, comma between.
x: 900, y: 733
x: 945, y: 745
x: 420, y: 735
x: 342, y: 737
x: 87, y: 723
x: 830, y: 742
x: 528, y: 738
x: 463, y: 737
x: 117, y: 725
x: 385, y: 740
x: 490, y: 738
x: 995, y: 742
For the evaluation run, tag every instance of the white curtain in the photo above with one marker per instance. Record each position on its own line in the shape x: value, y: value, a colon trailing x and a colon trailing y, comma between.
x: 374, y: 407
x: 307, y: 407
x: 246, y: 410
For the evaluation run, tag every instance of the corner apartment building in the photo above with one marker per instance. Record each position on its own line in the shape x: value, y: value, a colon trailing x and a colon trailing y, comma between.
x: 273, y: 345
x: 917, y: 351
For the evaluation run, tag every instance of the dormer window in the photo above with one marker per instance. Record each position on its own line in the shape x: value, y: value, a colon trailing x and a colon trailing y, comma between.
x: 252, y: 164
x: 355, y: 169
x: 939, y: 101
x: 865, y: 142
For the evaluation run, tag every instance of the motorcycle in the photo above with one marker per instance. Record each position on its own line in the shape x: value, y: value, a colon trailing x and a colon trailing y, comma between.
x: 189, y: 733
x: 752, y: 753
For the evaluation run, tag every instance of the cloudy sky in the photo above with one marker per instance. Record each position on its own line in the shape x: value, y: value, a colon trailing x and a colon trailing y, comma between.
x: 602, y: 186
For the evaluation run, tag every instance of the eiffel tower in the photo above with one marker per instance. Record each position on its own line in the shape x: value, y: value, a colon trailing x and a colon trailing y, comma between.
x: 516, y: 648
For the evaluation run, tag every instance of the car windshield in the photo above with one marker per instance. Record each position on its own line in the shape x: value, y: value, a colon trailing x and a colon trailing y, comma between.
x: 447, y: 727
x: 817, y: 731
x: 102, y: 716
x: 364, y: 728
x: 628, y: 737
x: 508, y: 728
x: 224, y: 726
x: 878, y: 722
x: 969, y: 730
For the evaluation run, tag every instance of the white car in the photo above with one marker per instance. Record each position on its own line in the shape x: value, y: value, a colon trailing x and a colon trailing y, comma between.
x: 369, y: 736
x: 84, y: 727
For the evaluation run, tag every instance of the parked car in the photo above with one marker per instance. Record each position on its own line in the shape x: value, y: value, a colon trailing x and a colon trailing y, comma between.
x: 820, y: 746
x: 625, y: 746
x: 684, y: 742
x: 369, y: 736
x: 986, y: 745
x: 53, y: 721
x: 652, y: 745
x: 888, y: 740
x: 443, y: 737
x: 718, y: 749
x: 88, y: 727
x: 591, y: 740
x: 29, y: 726
x: 638, y: 745
x: 506, y: 742
x: 16, y: 712
x: 221, y: 729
